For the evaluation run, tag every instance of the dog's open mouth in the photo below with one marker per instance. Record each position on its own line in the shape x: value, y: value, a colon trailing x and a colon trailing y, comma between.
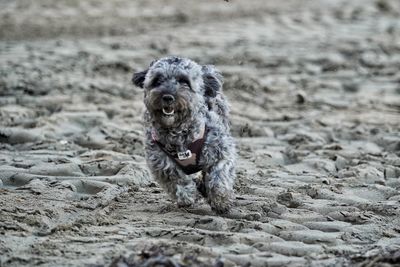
x: 168, y: 111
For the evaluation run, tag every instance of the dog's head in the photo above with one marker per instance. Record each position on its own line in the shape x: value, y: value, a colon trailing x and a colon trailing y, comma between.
x: 176, y: 88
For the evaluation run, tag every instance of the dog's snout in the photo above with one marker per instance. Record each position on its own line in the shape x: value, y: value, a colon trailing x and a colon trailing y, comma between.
x: 168, y: 98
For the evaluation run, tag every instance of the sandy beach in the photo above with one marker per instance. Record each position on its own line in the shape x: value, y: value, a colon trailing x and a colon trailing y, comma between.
x: 315, y: 93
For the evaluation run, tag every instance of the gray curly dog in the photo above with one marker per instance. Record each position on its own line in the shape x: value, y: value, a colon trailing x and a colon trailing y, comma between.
x: 187, y: 132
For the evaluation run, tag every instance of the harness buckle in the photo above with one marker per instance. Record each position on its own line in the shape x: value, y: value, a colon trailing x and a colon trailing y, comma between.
x: 184, y: 155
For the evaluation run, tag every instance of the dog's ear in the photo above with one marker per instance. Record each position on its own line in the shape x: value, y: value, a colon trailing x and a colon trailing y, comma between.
x: 212, y: 79
x: 138, y: 78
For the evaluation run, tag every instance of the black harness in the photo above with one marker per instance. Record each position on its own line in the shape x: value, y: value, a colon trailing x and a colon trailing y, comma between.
x: 187, y: 160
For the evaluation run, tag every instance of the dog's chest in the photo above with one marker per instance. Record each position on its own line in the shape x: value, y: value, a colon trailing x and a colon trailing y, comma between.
x: 186, y: 157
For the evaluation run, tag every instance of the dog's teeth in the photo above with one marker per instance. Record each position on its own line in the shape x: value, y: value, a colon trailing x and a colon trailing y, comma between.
x: 168, y: 113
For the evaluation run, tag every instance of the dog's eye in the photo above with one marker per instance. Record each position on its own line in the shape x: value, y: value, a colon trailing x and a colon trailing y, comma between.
x: 184, y: 81
x: 156, y: 81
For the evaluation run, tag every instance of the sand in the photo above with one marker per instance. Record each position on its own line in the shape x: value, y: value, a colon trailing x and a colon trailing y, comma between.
x: 315, y: 94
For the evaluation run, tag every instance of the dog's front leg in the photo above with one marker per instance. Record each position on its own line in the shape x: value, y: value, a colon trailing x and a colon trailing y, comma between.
x: 179, y: 186
x: 186, y: 191
x: 219, y: 180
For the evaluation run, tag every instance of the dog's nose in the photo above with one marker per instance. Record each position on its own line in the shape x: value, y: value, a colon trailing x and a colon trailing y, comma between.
x: 168, y: 99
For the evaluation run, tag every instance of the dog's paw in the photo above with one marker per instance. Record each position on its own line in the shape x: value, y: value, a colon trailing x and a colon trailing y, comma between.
x: 221, y: 205
x: 185, y: 195
x: 185, y: 203
x: 220, y: 199
x: 221, y: 209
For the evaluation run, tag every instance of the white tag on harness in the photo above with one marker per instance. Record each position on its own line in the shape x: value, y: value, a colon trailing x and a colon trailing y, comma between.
x: 184, y: 155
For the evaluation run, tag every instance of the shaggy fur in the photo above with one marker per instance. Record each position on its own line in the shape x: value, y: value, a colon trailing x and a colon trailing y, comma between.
x: 197, y: 100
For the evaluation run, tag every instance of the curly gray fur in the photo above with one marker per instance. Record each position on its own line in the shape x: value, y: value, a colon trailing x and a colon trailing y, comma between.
x: 197, y: 100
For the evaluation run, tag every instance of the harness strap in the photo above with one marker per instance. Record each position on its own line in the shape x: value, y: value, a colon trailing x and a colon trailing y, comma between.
x: 188, y: 160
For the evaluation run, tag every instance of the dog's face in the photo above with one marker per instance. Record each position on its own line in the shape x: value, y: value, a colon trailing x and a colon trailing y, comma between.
x: 175, y: 88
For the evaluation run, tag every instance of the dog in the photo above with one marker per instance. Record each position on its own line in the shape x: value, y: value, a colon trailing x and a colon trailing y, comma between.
x: 187, y: 132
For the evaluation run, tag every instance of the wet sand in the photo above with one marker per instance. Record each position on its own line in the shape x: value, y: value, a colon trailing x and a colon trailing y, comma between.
x: 315, y: 94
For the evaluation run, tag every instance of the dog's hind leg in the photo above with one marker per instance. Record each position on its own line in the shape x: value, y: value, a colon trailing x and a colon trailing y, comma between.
x: 201, y: 185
